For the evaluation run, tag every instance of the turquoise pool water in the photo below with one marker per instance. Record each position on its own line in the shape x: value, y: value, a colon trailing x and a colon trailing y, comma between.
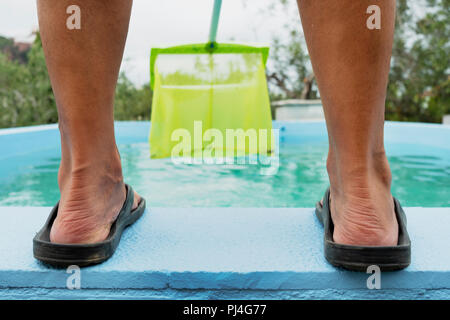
x: 421, y: 177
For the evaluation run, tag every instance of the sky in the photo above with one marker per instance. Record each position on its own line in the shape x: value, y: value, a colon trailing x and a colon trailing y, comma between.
x: 160, y: 23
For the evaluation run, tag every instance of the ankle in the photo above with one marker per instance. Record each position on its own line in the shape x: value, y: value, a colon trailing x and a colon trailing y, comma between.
x: 353, y: 173
x: 82, y: 164
x: 361, y: 201
x: 87, y: 141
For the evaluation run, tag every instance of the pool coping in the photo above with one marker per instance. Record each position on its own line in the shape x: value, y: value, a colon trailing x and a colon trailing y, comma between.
x: 273, y: 253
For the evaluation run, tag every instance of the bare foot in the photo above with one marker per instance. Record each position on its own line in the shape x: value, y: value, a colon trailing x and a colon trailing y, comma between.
x: 361, y: 204
x: 91, y: 198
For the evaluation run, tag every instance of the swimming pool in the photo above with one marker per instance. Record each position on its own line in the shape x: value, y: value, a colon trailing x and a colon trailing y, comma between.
x: 419, y: 155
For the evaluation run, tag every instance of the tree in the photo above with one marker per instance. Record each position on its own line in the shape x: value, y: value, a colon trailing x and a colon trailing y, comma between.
x: 419, y: 81
x: 25, y: 92
x: 132, y: 103
x: 419, y: 86
x: 289, y: 73
x: 26, y: 96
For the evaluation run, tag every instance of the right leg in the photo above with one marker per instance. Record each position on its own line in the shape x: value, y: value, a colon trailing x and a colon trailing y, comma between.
x: 351, y: 65
x: 83, y: 66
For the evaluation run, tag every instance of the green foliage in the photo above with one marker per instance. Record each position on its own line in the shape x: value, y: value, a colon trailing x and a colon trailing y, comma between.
x: 132, y: 103
x: 288, y: 74
x: 26, y: 96
x: 419, y: 80
x: 5, y: 43
x: 10, y: 49
x: 419, y: 86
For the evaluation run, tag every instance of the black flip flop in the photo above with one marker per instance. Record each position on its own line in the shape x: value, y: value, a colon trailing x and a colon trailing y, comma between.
x: 358, y: 258
x: 63, y: 255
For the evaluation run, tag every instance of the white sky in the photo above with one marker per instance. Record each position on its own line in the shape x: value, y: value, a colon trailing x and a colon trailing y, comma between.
x: 156, y: 23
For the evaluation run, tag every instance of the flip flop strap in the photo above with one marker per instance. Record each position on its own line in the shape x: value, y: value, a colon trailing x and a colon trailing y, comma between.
x: 326, y: 200
x: 128, y: 204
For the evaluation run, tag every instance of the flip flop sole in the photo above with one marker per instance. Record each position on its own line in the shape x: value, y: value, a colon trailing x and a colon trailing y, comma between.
x: 63, y: 255
x: 359, y: 258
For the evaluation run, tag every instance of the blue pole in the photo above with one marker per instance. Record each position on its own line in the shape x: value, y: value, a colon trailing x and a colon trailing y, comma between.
x: 214, y: 22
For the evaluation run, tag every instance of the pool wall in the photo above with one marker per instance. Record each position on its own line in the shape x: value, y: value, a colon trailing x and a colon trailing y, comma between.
x: 39, y: 141
x: 18, y: 141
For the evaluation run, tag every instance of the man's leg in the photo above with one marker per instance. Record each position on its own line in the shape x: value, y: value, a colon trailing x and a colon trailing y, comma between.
x: 83, y: 66
x: 351, y: 65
